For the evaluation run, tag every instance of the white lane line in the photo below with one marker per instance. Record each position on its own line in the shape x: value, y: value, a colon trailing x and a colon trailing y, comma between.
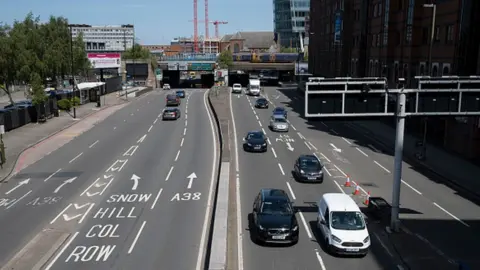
x: 333, y: 130
x: 338, y: 185
x: 323, y: 123
x: 176, y: 157
x: 169, y: 173
x: 186, y: 122
x: 184, y: 131
x: 327, y: 171
x: 383, y: 245
x: 181, y: 143
x: 131, y: 114
x: 325, y: 157
x: 308, y: 146
x: 73, y: 159
x: 307, y: 229
x: 150, y: 128
x: 340, y: 170
x: 19, y: 199
x: 281, y: 168
x: 268, y: 140
x: 89, y: 209
x: 359, y: 150
x: 114, y: 128
x: 156, y: 198
x: 412, y: 188
x: 260, y: 123
x: 93, y: 144
x: 291, y: 191
x: 313, y: 146
x: 51, y: 175
x: 186, y: 116
x: 380, y: 165
x: 154, y: 122
x: 292, y: 127
x: 300, y: 135
x: 264, y: 132
x: 450, y: 214
x: 52, y: 262
x: 347, y: 141
x: 136, y: 237
x: 274, y: 153
x: 257, y: 117
x: 319, y: 258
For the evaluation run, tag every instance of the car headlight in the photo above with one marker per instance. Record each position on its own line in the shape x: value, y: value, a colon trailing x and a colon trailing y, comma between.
x: 295, y: 228
x: 336, y: 239
x: 261, y: 228
x: 366, y: 240
x: 302, y: 171
x: 264, y: 144
x: 249, y: 144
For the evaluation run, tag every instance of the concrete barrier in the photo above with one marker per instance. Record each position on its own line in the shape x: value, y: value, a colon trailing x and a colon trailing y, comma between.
x: 143, y: 91
x: 122, y: 92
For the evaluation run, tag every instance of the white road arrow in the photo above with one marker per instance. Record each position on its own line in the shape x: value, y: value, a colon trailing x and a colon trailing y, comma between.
x: 68, y: 218
x: 135, y: 179
x: 335, y: 148
x: 21, y: 183
x: 80, y: 206
x: 100, y: 184
x: 278, y: 139
x: 289, y: 146
x: 68, y: 181
x: 142, y: 138
x: 190, y: 181
x: 92, y: 194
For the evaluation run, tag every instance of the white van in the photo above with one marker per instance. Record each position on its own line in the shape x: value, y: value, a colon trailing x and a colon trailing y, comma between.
x: 253, y: 87
x: 342, y: 225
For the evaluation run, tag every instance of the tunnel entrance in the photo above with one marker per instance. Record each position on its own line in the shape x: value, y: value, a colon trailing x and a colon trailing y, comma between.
x: 207, y: 80
x: 172, y: 77
x: 234, y: 77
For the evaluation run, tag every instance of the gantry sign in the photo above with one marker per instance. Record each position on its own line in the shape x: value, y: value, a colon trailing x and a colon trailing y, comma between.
x: 370, y: 97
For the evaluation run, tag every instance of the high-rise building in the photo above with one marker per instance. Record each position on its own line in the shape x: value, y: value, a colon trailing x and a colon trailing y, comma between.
x: 109, y: 38
x: 289, y: 21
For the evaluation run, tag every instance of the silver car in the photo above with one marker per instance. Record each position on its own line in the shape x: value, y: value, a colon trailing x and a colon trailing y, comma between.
x: 279, y: 123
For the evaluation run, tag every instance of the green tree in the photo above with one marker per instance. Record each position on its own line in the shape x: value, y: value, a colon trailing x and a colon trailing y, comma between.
x: 38, y: 93
x: 8, y: 61
x: 136, y: 52
x: 225, y: 59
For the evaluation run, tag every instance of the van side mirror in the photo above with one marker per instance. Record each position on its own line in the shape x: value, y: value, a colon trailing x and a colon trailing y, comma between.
x: 323, y: 222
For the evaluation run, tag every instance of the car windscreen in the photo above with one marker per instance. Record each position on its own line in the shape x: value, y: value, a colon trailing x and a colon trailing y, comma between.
x: 310, y: 164
x: 279, y: 110
x: 254, y: 87
x: 261, y: 101
x: 237, y: 85
x: 171, y: 97
x: 276, y: 208
x: 255, y: 136
x: 280, y: 120
x: 350, y: 221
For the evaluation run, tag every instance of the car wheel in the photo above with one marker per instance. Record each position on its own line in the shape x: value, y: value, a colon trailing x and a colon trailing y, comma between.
x: 245, y: 148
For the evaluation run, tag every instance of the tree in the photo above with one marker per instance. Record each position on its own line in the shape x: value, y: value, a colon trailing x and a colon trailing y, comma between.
x: 8, y: 61
x: 225, y: 59
x: 38, y: 92
x: 136, y: 52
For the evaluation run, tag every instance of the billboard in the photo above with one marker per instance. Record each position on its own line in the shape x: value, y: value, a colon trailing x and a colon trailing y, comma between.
x: 104, y: 60
x: 338, y: 26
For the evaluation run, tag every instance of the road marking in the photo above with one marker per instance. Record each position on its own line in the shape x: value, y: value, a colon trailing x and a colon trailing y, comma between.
x: 273, y: 152
x: 186, y: 122
x: 383, y: 245
x: 176, y: 157
x: 154, y: 122
x: 268, y: 140
x: 327, y: 171
x: 450, y: 214
x: 73, y: 159
x: 136, y: 237
x: 332, y: 130
x: 186, y: 116
x: 93, y: 144
x: 380, y: 165
x: 184, y: 131
x: 291, y: 191
x: 313, y: 146
x: 257, y: 117
x: 319, y: 258
x: 339, y: 187
x: 340, y: 170
x: 293, y: 127
x: 408, y: 185
x: 114, y: 128
x: 307, y: 229
x: 150, y: 128
x: 181, y: 143
x: 347, y: 141
x: 323, y: 123
x: 51, y: 175
x: 260, y: 123
x: 325, y: 157
x: 19, y: 199
x: 88, y: 210
x: 264, y: 132
x: 300, y: 135
x: 169, y: 173
x: 359, y: 150
x: 281, y: 168
x: 156, y: 198
x: 52, y: 262
x: 308, y: 146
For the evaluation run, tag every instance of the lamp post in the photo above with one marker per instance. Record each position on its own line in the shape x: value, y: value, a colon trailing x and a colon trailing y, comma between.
x: 71, y: 70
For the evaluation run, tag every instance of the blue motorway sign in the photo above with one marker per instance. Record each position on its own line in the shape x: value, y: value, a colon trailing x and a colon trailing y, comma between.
x: 201, y: 66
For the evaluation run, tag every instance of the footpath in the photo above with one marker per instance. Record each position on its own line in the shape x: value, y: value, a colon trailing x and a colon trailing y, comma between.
x: 20, y: 140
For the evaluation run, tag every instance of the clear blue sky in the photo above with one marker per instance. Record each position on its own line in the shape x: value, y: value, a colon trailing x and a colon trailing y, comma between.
x: 156, y: 22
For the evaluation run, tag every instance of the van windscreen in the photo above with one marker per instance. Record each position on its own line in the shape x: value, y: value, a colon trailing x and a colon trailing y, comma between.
x: 350, y: 221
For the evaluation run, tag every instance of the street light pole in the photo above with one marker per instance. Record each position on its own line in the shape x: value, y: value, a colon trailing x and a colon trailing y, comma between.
x: 71, y: 70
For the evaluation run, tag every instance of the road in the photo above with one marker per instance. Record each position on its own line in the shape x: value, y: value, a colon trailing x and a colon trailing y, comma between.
x: 429, y: 209
x: 131, y: 193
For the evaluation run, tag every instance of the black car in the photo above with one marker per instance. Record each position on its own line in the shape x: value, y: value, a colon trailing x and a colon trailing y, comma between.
x: 255, y: 141
x: 172, y: 100
x: 273, y: 218
x: 261, y: 103
x: 171, y: 114
x: 308, y: 168
x: 181, y: 93
x: 280, y: 111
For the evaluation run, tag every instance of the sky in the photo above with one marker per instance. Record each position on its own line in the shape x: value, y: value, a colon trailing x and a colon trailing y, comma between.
x: 156, y: 22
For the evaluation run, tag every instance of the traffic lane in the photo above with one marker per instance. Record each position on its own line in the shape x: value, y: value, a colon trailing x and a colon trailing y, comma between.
x: 257, y: 171
x: 308, y: 194
x: 177, y: 224
x: 416, y: 209
x: 121, y: 213
x: 51, y: 187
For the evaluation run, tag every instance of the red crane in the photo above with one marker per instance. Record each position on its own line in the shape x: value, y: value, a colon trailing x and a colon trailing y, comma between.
x: 206, y: 20
x: 216, y: 23
x: 195, y: 26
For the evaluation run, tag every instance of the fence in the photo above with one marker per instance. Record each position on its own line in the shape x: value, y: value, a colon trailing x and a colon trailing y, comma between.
x: 16, y: 117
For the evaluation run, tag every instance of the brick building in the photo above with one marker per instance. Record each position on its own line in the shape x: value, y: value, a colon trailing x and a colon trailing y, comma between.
x: 248, y: 42
x: 391, y: 38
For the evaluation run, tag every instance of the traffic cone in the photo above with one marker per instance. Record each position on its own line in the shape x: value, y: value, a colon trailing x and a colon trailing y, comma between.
x: 357, y: 190
x: 367, y: 199
x: 347, y: 183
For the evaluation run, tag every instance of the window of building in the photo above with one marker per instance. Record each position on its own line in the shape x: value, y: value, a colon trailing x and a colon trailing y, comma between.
x: 449, y: 34
x: 437, y: 33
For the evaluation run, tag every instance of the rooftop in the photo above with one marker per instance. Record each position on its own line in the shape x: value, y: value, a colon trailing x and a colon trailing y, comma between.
x: 260, y: 39
x: 340, y: 202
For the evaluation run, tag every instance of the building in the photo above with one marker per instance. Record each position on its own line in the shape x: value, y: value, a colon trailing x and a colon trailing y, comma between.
x: 109, y: 38
x: 361, y: 38
x: 186, y: 45
x: 248, y: 42
x: 289, y: 21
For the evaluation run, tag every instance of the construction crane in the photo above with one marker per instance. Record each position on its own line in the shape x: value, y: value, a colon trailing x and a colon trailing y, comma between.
x: 216, y: 23
x: 195, y: 26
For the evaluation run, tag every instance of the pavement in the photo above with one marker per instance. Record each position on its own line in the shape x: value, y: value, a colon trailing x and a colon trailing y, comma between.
x: 428, y: 208
x: 130, y: 193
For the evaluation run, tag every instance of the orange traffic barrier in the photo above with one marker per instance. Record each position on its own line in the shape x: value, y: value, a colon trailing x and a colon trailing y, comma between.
x: 348, y: 183
x: 367, y: 199
x: 357, y: 190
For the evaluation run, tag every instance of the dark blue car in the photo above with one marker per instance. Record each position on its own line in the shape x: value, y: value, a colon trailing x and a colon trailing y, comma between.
x: 280, y: 111
x: 181, y: 93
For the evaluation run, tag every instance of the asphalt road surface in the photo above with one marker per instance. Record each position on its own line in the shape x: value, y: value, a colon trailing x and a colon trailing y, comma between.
x: 131, y: 193
x: 429, y: 209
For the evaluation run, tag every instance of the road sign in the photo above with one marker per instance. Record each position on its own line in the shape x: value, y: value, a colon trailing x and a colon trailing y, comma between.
x: 159, y: 74
x: 200, y: 66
